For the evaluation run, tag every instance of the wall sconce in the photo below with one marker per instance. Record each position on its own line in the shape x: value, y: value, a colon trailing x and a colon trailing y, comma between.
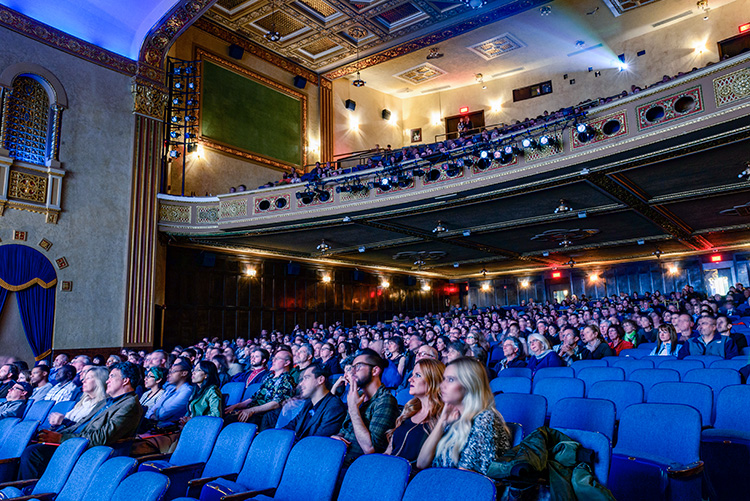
x: 594, y: 277
x: 485, y: 287
x: 251, y: 272
x: 673, y: 269
x: 326, y: 279
x: 524, y: 283
x: 385, y: 284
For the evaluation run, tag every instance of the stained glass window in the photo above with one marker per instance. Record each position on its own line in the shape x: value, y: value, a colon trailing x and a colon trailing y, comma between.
x: 27, y: 121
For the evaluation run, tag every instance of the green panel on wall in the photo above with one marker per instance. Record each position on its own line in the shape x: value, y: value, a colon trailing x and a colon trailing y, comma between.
x: 241, y: 112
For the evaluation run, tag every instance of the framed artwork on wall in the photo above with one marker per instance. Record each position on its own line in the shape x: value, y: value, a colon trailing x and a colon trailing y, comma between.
x: 416, y: 135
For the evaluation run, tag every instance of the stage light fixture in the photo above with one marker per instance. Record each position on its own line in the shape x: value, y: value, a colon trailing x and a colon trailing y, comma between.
x: 529, y: 143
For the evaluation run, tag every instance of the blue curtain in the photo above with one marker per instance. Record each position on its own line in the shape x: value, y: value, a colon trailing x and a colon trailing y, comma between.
x: 28, y: 273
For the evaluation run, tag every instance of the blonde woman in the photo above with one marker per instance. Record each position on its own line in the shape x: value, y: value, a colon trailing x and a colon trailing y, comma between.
x: 94, y: 386
x: 470, y: 433
x: 420, y: 413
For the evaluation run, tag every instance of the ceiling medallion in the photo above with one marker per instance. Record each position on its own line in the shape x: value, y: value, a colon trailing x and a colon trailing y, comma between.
x: 419, y: 256
x: 565, y: 236
x: 434, y: 53
x: 357, y: 32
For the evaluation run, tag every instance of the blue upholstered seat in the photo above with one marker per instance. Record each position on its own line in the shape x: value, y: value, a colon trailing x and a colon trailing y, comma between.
x: 107, y: 477
x: 449, y: 484
x: 587, y: 414
x: 375, y: 477
x: 527, y: 410
x: 142, y: 486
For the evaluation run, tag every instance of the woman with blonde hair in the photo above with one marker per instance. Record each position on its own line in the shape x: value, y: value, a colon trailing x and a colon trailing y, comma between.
x: 94, y: 386
x: 420, y: 413
x: 470, y: 432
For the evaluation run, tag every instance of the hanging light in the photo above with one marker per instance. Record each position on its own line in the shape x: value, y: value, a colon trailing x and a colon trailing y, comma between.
x: 474, y: 4
x: 419, y: 263
x: 273, y: 35
x: 571, y: 263
x: 484, y: 272
x: 323, y: 247
x: 566, y: 243
x: 563, y: 207
x: 439, y: 228
x: 434, y: 53
x: 358, y: 82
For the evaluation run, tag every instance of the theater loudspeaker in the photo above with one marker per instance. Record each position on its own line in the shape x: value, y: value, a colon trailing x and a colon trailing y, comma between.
x: 386, y: 114
x: 208, y: 259
x: 411, y: 281
x: 358, y: 276
x: 300, y: 82
x: 292, y: 269
x: 350, y: 105
x: 236, y: 52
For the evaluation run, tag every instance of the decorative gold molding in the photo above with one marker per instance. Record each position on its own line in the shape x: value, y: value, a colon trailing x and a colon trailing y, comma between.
x: 149, y: 99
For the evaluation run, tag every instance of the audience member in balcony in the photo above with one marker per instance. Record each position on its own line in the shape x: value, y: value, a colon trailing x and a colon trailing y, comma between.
x: 65, y: 388
x: 542, y: 355
x: 470, y: 433
x: 173, y: 404
x: 16, y: 400
x: 39, y: 382
x: 114, y: 418
x: 206, y: 399
x: 709, y: 342
x: 94, y: 388
x: 683, y: 324
x: 276, y: 389
x: 153, y: 381
x: 617, y: 342
x: 667, y: 343
x: 420, y: 413
x: 371, y: 408
x: 724, y: 327
x: 514, y: 356
x: 322, y: 413
x: 594, y: 345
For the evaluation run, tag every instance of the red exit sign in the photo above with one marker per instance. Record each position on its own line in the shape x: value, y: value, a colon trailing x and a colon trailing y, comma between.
x: 463, y: 109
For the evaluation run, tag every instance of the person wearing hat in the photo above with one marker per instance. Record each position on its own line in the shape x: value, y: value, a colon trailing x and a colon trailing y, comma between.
x: 16, y: 400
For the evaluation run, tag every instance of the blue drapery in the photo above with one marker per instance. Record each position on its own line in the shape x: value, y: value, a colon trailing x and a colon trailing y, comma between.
x: 28, y: 273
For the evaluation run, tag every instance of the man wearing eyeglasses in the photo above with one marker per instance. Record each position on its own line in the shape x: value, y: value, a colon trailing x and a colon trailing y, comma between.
x: 173, y: 405
x: 271, y: 394
x: 17, y: 398
x: 372, y: 410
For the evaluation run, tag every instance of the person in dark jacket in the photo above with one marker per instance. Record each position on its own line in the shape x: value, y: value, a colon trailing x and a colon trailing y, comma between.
x: 322, y: 413
x: 513, y: 351
x: 594, y: 345
x: 16, y: 400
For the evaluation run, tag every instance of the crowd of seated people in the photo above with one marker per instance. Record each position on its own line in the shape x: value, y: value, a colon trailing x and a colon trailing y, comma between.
x: 340, y: 382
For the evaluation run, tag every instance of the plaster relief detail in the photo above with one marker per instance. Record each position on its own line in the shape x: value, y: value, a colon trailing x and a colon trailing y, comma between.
x: 420, y: 73
x: 28, y: 187
x: 232, y: 208
x: 207, y: 214
x: 497, y: 46
x: 149, y: 100
x: 732, y: 87
x: 174, y: 213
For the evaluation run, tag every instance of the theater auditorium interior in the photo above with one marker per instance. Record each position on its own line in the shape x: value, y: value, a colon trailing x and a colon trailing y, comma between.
x: 374, y: 249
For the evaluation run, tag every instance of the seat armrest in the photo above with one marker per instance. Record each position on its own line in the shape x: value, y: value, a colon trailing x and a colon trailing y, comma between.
x: 688, y: 470
x: 45, y: 496
x: 181, y: 468
x: 19, y: 483
x: 10, y: 460
x: 153, y: 457
x: 199, y: 482
x: 241, y: 496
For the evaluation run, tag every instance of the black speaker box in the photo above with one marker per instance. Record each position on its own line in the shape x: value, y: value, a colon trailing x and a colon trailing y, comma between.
x: 386, y: 114
x: 350, y: 105
x: 292, y: 269
x: 300, y: 82
x: 236, y: 52
x: 358, y: 276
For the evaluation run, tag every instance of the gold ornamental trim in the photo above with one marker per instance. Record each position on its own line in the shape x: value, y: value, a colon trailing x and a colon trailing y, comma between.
x: 34, y: 281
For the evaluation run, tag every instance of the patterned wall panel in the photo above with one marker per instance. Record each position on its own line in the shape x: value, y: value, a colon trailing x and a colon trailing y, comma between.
x: 174, y: 213
x: 207, y: 213
x: 667, y: 109
x: 28, y: 187
x: 732, y: 87
x: 600, y: 125
x: 271, y: 204
x: 232, y: 208
x: 443, y: 175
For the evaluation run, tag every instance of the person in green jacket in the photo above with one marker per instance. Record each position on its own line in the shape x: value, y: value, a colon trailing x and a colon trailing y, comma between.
x: 206, y: 399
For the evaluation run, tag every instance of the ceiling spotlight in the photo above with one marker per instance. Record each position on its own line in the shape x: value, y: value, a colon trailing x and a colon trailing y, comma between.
x: 545, y: 11
x: 326, y: 278
x: 563, y: 207
x: 439, y: 228
x: 347, y: 219
x: 594, y: 277
x: 585, y: 132
x: 434, y: 54
x: 529, y: 143
x: 455, y: 265
x: 571, y: 263
x: 745, y: 174
x: 474, y: 4
x: 484, y: 272
x: 657, y: 253
x: 251, y: 272
x: 419, y: 263
x: 524, y: 283
x: 323, y: 247
x: 361, y: 248
x: 673, y: 269
x: 566, y: 243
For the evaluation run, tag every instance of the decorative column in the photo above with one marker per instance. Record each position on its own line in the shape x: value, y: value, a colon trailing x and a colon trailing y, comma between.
x: 326, y: 120
x: 150, y: 102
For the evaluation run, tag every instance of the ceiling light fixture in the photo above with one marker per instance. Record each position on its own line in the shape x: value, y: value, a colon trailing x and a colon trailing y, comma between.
x: 545, y: 11
x: 485, y: 287
x: 273, y: 35
x: 419, y: 263
x: 323, y: 247
x: 563, y: 207
x: 439, y: 228
x: 703, y: 5
x: 474, y: 4
x: 571, y: 263
x: 358, y: 82
x: 484, y: 272
x: 434, y: 53
x: 566, y: 243
x: 657, y: 253
x: 745, y: 174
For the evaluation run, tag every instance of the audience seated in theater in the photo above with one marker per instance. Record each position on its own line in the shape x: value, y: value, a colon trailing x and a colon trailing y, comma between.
x: 594, y: 345
x: 630, y: 331
x: 206, y: 399
x: 322, y: 413
x: 424, y: 351
x: 513, y: 352
x: 667, y: 344
x: 16, y: 400
x: 328, y: 359
x: 222, y: 369
x: 114, y: 418
x: 470, y: 433
x: 80, y: 362
x: 94, y: 388
x: 40, y: 382
x: 8, y: 377
x: 112, y: 360
x: 60, y: 360
x: 420, y: 413
x: 616, y: 335
x: 65, y: 389
x: 683, y: 324
x: 710, y: 342
x: 453, y: 351
x: 258, y: 370
x: 153, y: 382
x: 173, y: 404
x: 724, y: 327
x: 371, y: 408
x: 303, y: 358
x: 542, y: 354
x: 234, y: 366
x: 277, y: 388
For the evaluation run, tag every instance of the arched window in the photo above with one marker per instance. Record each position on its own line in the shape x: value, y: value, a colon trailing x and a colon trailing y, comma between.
x: 27, y: 121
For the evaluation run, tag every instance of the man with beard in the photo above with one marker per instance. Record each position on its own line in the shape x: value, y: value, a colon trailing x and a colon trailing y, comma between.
x: 372, y: 410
